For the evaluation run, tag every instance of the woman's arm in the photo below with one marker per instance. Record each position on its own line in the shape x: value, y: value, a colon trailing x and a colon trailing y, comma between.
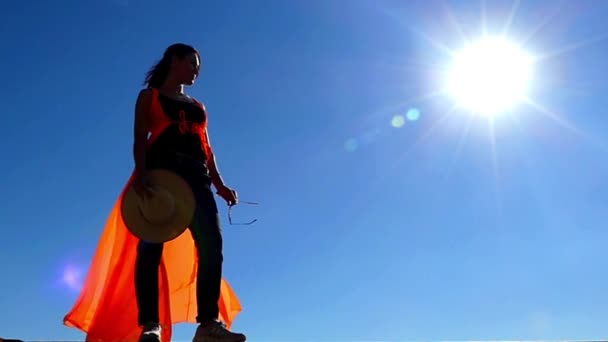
x: 140, y: 130
x: 216, y: 178
x: 228, y: 194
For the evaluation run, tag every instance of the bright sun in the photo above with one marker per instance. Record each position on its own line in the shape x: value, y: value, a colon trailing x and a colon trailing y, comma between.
x: 490, y: 76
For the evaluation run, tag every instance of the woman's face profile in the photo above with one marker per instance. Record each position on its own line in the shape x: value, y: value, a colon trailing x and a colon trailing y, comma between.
x: 187, y: 68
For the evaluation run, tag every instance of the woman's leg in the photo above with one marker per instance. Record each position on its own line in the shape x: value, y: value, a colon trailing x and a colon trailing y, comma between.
x: 146, y: 281
x: 206, y: 231
x: 207, y: 234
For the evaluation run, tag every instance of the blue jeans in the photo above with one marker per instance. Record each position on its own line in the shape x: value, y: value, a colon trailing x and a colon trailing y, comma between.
x: 206, y: 231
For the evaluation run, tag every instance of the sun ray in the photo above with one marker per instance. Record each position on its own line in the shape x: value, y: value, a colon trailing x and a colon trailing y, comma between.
x: 515, y: 118
x: 512, y: 12
x: 495, y: 164
x: 553, y: 116
x: 454, y: 22
x: 424, y: 36
x: 460, y: 144
x: 409, y: 66
x: 566, y: 124
x: 434, y: 42
x: 420, y: 139
x: 494, y: 154
x: 545, y: 20
x: 573, y: 46
x: 483, y: 17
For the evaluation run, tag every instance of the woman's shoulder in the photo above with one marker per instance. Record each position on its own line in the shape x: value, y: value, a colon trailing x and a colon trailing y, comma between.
x: 199, y: 103
x: 195, y: 101
x: 145, y: 95
x: 189, y: 98
x: 146, y: 92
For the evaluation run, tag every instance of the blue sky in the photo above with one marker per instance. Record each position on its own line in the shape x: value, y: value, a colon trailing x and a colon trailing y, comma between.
x: 442, y: 229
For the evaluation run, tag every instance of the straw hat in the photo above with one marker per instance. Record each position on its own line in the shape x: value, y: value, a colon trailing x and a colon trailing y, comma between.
x: 165, y: 213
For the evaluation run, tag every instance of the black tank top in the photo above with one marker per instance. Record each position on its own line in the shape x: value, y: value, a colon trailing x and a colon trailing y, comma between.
x: 178, y: 138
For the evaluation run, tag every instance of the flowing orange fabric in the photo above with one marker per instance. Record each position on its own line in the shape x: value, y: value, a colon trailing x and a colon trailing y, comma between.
x: 106, y: 309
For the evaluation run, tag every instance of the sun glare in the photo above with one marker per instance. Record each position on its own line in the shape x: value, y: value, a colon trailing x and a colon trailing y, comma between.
x: 490, y: 76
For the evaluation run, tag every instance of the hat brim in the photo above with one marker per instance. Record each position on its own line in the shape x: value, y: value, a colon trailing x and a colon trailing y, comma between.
x: 185, y: 204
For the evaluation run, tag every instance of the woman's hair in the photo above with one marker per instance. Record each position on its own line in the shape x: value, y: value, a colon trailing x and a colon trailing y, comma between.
x: 157, y: 74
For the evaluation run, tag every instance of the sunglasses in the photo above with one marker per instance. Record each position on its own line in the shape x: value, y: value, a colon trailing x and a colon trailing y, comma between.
x: 240, y: 223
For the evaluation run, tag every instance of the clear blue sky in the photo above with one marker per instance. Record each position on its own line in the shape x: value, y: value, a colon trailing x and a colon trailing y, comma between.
x: 366, y: 231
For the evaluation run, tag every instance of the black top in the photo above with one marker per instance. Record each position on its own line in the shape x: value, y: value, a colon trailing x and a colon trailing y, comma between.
x: 180, y: 137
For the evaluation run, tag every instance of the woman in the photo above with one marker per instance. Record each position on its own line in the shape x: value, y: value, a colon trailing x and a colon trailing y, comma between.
x: 182, y: 146
x: 170, y: 131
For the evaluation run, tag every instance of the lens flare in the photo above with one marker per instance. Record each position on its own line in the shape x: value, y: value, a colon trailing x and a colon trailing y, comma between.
x: 413, y: 114
x: 72, y: 278
x: 398, y: 121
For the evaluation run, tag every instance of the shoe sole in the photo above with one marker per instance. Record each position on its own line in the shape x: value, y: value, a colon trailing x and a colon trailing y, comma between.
x: 149, y: 339
x: 219, y: 339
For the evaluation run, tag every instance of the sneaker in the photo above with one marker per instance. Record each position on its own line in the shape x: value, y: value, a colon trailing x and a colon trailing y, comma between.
x: 150, y: 333
x: 216, y: 331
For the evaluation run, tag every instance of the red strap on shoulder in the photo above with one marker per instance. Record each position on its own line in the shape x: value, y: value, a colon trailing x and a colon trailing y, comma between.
x: 158, y: 120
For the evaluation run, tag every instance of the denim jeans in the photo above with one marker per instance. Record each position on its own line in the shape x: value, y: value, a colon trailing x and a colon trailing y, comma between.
x: 206, y: 231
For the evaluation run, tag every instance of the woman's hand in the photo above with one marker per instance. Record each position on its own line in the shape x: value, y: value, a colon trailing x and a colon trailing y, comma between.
x: 229, y: 195
x: 141, y: 185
